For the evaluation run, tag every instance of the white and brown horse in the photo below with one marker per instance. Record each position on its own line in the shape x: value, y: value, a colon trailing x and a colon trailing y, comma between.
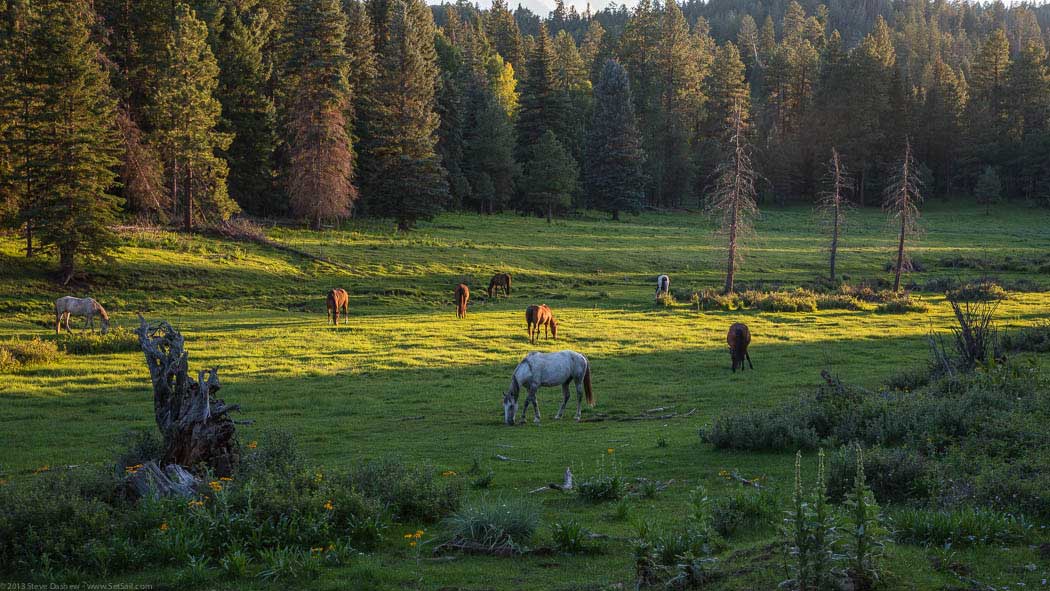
x: 88, y: 308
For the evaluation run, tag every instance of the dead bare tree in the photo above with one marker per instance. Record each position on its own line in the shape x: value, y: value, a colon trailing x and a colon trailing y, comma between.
x: 197, y: 429
x: 902, y: 199
x: 733, y: 200
x: 834, y: 206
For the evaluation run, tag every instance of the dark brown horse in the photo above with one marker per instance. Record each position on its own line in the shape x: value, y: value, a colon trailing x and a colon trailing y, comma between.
x: 739, y: 337
x: 536, y: 316
x: 462, y: 297
x: 499, y: 281
x: 338, y: 300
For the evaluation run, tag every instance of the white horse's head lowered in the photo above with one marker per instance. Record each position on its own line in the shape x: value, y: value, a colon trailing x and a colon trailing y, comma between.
x: 510, y: 404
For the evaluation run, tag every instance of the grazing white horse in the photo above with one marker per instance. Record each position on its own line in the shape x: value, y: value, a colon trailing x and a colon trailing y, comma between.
x: 663, y: 285
x: 548, y: 369
x: 70, y: 306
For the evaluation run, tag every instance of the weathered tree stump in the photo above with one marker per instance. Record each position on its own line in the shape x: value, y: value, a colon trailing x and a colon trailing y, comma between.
x: 198, y: 432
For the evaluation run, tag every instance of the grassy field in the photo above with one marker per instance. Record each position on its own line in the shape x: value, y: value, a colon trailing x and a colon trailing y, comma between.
x: 406, y: 379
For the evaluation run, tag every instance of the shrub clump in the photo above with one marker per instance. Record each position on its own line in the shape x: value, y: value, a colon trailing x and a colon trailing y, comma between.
x: 603, y: 486
x: 902, y: 304
x: 977, y: 291
x: 16, y: 354
x: 118, y: 340
x: 1033, y: 338
x: 497, y: 525
x: 410, y: 493
x: 895, y: 475
x: 743, y: 509
x: 962, y: 526
x: 276, y: 518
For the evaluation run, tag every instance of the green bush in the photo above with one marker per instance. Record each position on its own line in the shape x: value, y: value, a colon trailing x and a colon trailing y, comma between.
x: 410, y: 493
x: 569, y: 537
x: 978, y: 291
x: 603, y: 486
x: 16, y: 354
x: 894, y: 475
x: 902, y: 304
x: 963, y: 526
x: 1033, y: 338
x: 118, y: 340
x: 495, y: 523
x: 744, y: 508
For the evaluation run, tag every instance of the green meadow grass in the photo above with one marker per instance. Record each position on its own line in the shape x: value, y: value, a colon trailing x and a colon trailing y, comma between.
x: 405, y: 378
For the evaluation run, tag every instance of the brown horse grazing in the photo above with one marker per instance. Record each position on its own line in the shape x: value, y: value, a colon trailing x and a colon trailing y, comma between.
x: 739, y: 337
x: 338, y: 300
x: 462, y: 297
x: 499, y: 281
x: 536, y: 316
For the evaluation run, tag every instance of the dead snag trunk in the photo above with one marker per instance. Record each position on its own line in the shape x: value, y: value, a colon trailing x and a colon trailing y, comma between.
x: 197, y: 430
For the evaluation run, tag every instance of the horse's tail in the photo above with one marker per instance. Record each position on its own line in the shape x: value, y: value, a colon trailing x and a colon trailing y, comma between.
x: 508, y: 284
x: 587, y: 384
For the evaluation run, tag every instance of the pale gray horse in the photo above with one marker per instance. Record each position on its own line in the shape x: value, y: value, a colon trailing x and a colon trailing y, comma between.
x: 548, y: 369
x: 663, y: 286
x: 88, y: 308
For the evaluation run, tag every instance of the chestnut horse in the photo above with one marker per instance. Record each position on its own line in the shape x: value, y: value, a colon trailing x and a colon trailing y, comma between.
x: 462, y: 297
x: 499, y: 281
x: 739, y: 337
x: 338, y: 300
x: 536, y: 316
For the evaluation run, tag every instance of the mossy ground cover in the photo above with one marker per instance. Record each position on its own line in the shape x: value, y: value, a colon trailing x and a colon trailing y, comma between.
x: 406, y: 379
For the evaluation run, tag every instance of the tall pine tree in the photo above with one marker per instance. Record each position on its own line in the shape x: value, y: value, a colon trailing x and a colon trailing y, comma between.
x: 77, y: 126
x: 185, y: 117
x: 614, y: 179
x: 248, y: 112
x: 403, y: 176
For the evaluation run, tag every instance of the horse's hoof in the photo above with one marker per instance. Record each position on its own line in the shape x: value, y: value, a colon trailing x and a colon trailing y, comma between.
x: 577, y: 418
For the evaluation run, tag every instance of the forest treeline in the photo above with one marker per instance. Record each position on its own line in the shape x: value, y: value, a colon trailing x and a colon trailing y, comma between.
x: 189, y: 112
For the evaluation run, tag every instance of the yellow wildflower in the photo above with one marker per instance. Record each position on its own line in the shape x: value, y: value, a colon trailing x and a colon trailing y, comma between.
x: 215, y: 485
x: 331, y: 547
x: 196, y: 503
x: 164, y: 526
x: 610, y: 450
x: 225, y: 479
x: 318, y: 477
x: 329, y: 506
x: 253, y: 444
x: 316, y: 550
x: 448, y: 473
x: 418, y: 534
x: 44, y: 468
x: 412, y: 544
x: 408, y: 536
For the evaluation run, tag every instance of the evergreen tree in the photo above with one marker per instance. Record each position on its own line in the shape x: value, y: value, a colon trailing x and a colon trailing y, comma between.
x: 248, y: 113
x: 613, y: 177
x: 728, y: 91
x: 502, y: 29
x: 1029, y: 104
x: 987, y: 113
x: 550, y: 176
x: 185, y: 117
x: 542, y: 105
x: 20, y: 107
x: 320, y: 169
x: 403, y: 177
x: 76, y: 128
x: 903, y: 196
x: 989, y: 189
x: 489, y: 152
x: 941, y: 121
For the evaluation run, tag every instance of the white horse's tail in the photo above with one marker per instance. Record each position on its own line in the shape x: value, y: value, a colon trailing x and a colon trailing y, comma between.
x: 587, y: 384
